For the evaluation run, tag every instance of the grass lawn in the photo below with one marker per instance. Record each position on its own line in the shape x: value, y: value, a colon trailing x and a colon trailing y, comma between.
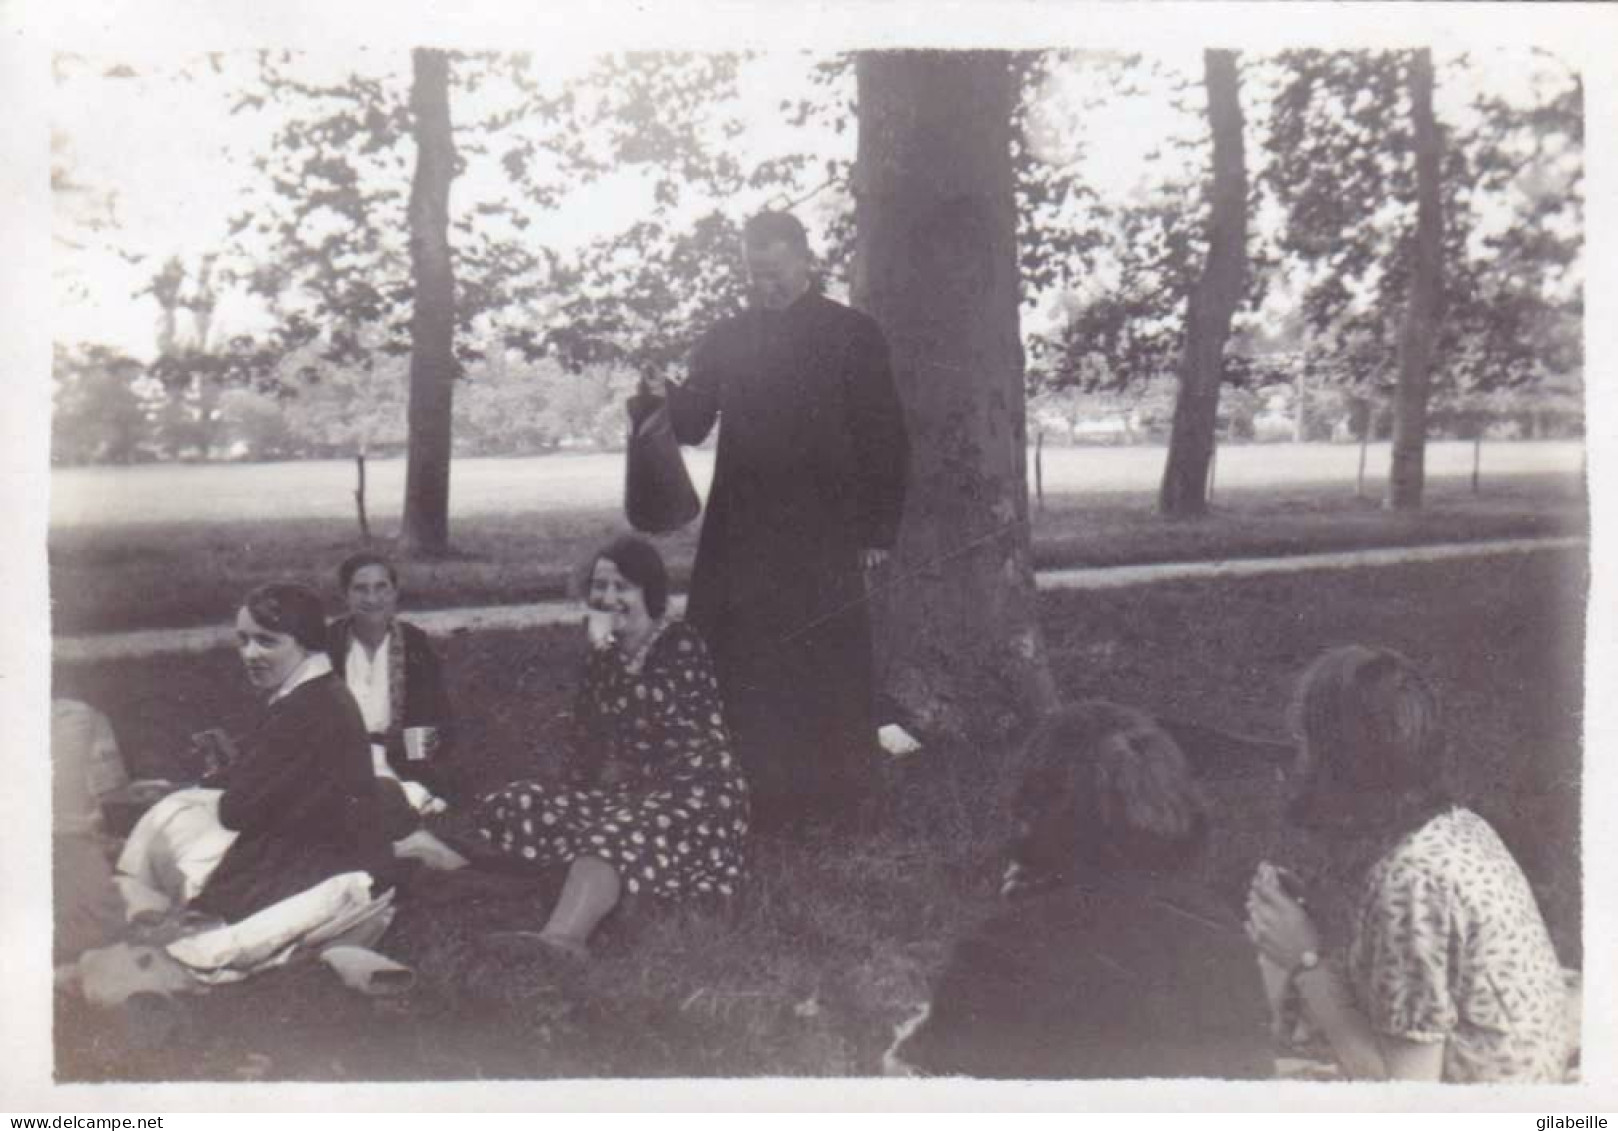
x: 835, y: 937
x: 175, y: 546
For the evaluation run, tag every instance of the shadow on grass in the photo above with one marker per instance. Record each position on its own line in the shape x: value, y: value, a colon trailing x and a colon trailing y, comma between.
x: 837, y: 934
x: 106, y: 579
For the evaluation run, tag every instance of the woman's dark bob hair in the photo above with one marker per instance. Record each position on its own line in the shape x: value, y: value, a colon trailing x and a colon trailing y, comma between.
x: 358, y: 560
x: 1105, y: 788
x: 290, y: 608
x: 1375, y: 739
x: 639, y: 562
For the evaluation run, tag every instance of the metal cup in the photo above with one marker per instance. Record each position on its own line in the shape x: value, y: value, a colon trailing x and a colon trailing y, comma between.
x: 420, y: 743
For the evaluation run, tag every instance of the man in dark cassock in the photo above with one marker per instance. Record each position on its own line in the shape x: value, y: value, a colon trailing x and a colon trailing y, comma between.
x: 809, y: 484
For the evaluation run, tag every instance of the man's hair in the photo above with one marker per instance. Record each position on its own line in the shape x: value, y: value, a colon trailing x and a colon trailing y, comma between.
x: 358, y: 560
x: 640, y: 563
x: 290, y: 608
x: 771, y: 227
x: 1122, y: 785
x: 1375, y: 736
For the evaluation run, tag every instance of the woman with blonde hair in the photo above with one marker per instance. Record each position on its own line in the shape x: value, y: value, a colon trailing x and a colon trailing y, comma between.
x: 1449, y: 973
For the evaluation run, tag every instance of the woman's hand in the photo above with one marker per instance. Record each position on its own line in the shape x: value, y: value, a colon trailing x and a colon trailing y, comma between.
x: 598, y: 628
x: 1277, y: 923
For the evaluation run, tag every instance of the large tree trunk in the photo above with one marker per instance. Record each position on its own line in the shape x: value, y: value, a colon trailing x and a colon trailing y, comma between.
x: 432, y: 321
x: 1213, y: 301
x: 936, y: 264
x: 1422, y: 311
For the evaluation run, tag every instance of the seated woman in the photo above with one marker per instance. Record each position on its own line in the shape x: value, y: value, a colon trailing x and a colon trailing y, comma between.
x: 389, y: 666
x: 656, y: 803
x: 299, y: 804
x: 1450, y: 973
x: 1123, y: 964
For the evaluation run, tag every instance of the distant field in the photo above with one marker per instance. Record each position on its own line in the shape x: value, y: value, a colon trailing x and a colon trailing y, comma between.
x: 172, y: 546
x: 169, y: 493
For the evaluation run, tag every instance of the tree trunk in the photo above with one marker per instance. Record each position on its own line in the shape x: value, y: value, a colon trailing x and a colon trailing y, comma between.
x: 1039, y: 468
x: 1477, y: 460
x: 432, y: 322
x: 959, y: 640
x: 1300, y: 417
x: 1214, y: 299
x: 1419, y: 332
x: 359, y: 495
x: 1365, y: 443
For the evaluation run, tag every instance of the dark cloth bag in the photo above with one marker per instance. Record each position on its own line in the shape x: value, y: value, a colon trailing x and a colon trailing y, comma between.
x: 658, y: 495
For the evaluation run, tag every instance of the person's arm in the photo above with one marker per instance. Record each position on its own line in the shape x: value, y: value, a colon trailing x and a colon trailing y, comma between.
x: 881, y: 442
x: 1284, y: 932
x: 1363, y: 1053
x: 584, y: 755
x: 693, y: 406
x: 427, y: 702
x: 276, y: 776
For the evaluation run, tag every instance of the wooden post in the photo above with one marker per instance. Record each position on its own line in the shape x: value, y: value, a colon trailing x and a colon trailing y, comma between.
x: 1039, y: 468
x: 359, y: 495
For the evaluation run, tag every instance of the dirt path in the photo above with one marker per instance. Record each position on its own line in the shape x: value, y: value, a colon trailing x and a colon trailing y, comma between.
x: 165, y: 641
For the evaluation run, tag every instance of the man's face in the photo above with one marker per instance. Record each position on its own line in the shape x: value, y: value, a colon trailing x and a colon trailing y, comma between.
x: 777, y: 273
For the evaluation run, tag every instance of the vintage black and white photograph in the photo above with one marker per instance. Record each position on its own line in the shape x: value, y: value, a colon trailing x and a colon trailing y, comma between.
x: 1050, y: 543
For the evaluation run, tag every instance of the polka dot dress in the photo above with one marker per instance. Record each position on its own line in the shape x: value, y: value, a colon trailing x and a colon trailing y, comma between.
x: 658, y: 794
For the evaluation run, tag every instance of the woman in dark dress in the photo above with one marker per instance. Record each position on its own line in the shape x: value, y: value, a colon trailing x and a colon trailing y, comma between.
x: 1116, y: 961
x: 301, y: 795
x: 654, y: 802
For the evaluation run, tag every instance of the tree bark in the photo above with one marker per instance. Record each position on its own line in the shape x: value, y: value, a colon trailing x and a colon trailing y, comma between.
x: 959, y: 640
x: 1419, y: 331
x: 432, y: 322
x: 1214, y: 299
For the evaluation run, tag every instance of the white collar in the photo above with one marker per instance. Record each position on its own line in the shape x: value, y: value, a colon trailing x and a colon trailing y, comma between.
x: 314, y: 665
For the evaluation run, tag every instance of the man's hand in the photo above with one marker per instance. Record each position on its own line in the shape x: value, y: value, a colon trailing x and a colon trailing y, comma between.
x: 873, y: 557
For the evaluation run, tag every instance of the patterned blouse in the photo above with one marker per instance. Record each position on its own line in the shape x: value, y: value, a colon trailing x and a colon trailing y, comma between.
x: 1449, y: 945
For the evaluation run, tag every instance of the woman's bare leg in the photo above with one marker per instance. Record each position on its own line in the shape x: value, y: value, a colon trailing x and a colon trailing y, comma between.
x: 592, y: 889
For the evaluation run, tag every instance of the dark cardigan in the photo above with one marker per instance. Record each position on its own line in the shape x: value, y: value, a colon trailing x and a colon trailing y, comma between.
x: 425, y: 702
x: 1135, y: 976
x: 304, y: 798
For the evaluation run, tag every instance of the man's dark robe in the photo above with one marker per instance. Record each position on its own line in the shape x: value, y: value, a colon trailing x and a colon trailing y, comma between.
x: 810, y: 471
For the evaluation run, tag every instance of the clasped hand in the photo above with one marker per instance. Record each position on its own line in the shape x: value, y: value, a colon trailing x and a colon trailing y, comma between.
x: 1276, y: 922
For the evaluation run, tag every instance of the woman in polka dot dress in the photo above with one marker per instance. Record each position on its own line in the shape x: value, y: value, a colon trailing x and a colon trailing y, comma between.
x: 656, y: 803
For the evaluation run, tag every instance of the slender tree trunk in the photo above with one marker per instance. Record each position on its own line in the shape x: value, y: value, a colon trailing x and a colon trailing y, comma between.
x: 432, y: 321
x: 1300, y: 430
x: 936, y: 265
x: 359, y: 495
x: 1213, y: 301
x: 1419, y: 333
x: 1477, y: 460
x: 1365, y: 444
x: 1039, y: 468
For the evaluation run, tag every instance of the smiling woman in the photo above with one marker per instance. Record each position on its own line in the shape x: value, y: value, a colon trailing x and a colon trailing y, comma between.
x: 654, y: 802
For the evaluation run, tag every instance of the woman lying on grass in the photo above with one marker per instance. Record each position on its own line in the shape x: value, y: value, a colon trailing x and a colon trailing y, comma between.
x: 1450, y: 973
x: 655, y: 802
